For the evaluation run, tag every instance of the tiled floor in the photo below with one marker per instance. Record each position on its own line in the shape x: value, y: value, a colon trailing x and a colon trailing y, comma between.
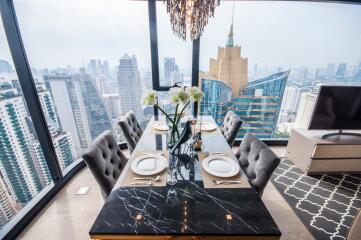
x: 70, y: 216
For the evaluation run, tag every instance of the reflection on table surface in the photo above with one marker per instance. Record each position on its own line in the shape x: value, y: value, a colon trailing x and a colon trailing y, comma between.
x: 187, y: 208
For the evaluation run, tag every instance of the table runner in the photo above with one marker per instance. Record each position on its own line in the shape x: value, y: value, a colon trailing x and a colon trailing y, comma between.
x: 208, y: 178
x: 127, y: 179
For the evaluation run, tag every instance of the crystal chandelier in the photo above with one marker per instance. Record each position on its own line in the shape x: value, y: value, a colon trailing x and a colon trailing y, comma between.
x: 190, y: 16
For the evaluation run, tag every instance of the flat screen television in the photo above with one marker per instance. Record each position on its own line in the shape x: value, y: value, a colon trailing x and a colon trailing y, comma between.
x: 337, y: 108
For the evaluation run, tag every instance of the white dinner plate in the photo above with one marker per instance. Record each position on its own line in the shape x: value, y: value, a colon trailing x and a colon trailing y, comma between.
x: 161, y: 126
x: 148, y: 164
x: 206, y: 126
x: 220, y: 166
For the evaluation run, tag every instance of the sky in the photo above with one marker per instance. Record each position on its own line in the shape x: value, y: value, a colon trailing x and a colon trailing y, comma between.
x: 57, y: 33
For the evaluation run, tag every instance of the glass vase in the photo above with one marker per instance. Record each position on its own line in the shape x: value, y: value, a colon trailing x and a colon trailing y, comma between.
x: 173, y: 132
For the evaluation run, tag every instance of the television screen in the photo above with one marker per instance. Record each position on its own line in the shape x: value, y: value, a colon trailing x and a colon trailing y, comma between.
x: 337, y: 108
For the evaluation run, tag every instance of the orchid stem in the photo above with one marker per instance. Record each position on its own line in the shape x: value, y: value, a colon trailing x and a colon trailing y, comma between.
x: 181, y: 113
x: 165, y: 114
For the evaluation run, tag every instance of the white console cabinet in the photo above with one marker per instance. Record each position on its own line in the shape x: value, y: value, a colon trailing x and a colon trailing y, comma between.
x: 314, y: 155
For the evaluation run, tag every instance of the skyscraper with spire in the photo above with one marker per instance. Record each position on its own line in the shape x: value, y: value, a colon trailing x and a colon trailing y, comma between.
x: 229, y: 66
x: 226, y: 88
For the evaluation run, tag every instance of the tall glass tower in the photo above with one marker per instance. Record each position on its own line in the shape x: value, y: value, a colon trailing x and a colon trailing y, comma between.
x: 79, y: 106
x: 7, y: 206
x: 16, y: 163
x: 258, y: 105
x: 129, y: 86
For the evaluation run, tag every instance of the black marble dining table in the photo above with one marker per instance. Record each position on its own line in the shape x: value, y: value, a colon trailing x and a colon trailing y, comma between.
x: 186, y: 210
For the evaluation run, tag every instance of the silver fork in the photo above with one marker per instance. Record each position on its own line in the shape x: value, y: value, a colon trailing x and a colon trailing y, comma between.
x: 217, y: 153
x: 147, y: 183
x: 155, y: 179
x: 156, y: 153
x: 218, y: 182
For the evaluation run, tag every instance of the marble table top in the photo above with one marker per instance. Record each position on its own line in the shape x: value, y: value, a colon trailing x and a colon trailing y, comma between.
x: 186, y: 209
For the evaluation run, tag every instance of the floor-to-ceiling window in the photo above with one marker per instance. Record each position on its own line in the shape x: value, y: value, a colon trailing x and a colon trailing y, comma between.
x: 266, y: 61
x: 23, y: 170
x: 91, y: 62
x: 175, y: 57
x: 90, y: 65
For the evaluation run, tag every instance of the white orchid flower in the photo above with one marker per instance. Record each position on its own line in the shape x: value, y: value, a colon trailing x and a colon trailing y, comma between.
x: 150, y: 98
x: 195, y: 93
x: 179, y: 95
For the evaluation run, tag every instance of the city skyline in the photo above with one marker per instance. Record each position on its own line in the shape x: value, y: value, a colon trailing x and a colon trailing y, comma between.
x: 334, y: 38
x: 87, y: 73
x: 64, y: 140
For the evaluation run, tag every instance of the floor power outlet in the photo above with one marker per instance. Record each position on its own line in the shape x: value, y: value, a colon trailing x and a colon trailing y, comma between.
x: 82, y: 191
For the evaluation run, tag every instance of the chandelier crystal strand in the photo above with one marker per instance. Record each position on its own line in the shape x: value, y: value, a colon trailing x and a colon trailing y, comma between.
x: 190, y: 16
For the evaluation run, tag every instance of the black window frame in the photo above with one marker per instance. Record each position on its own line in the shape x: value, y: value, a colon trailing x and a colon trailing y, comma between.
x: 13, y: 35
x: 16, y: 225
x: 153, y: 33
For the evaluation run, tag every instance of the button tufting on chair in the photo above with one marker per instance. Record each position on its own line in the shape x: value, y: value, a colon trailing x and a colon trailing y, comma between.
x: 231, y: 125
x: 105, y: 161
x: 257, y: 160
x: 131, y: 129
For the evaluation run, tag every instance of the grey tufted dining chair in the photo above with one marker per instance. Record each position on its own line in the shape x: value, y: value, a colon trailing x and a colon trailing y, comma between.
x: 105, y: 161
x: 230, y: 126
x: 354, y: 231
x: 257, y: 160
x: 130, y: 127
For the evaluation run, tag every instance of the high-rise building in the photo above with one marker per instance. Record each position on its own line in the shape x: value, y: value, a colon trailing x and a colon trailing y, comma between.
x: 304, y: 112
x: 351, y: 71
x: 5, y: 67
x: 80, y: 107
x: 99, y: 71
x: 303, y: 73
x: 47, y: 103
x: 96, y: 113
x: 331, y: 70
x: 318, y: 74
x: 177, y: 77
x: 64, y: 148
x: 63, y: 145
x: 357, y: 77
x: 7, y: 204
x: 255, y: 70
x: 169, y: 67
x: 258, y: 105
x: 98, y: 67
x: 226, y: 87
x: 291, y: 99
x: 129, y: 86
x: 341, y: 70
x: 37, y: 154
x: 112, y: 103
x: 69, y: 102
x: 229, y: 67
x: 16, y: 163
x: 217, y: 98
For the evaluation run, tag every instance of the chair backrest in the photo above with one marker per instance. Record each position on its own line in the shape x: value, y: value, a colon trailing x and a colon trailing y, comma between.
x: 230, y: 126
x: 105, y: 161
x: 257, y: 160
x: 354, y: 232
x: 131, y: 129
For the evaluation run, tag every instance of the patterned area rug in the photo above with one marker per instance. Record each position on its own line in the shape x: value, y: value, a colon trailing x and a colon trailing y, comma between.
x: 326, y: 204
